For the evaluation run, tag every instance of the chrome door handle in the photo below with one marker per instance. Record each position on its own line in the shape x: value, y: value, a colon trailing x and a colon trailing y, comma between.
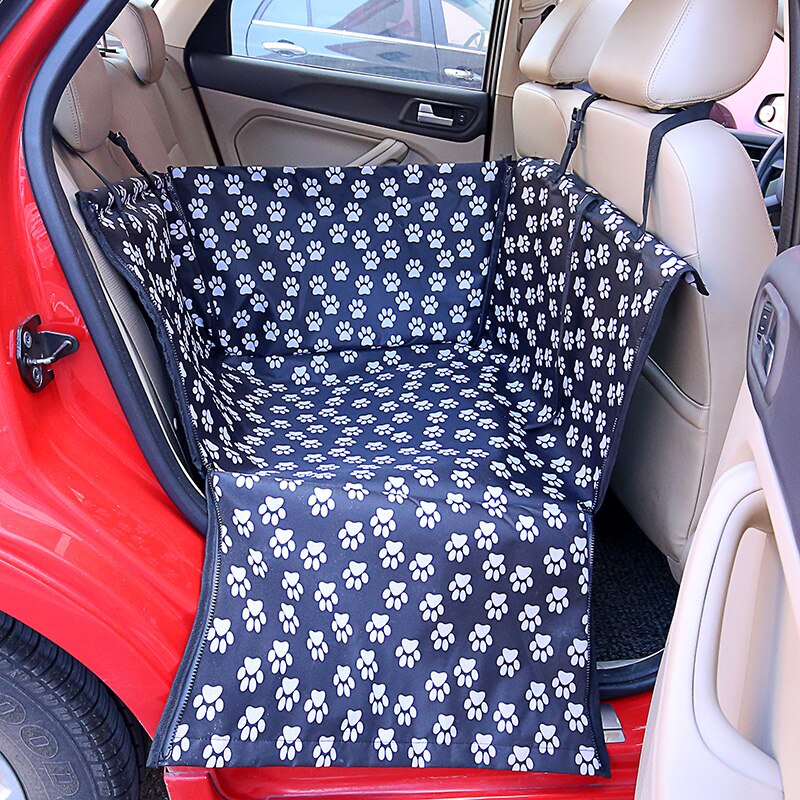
x: 427, y: 116
x: 284, y: 48
x: 460, y: 73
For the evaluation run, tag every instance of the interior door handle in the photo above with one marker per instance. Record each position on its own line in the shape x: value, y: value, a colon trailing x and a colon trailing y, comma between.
x: 460, y: 73
x: 282, y: 48
x: 427, y: 116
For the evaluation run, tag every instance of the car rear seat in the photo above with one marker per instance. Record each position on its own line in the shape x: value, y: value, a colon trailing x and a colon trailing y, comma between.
x: 154, y: 102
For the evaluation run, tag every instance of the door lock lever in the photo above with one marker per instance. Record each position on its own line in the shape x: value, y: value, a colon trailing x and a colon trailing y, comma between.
x: 37, y: 350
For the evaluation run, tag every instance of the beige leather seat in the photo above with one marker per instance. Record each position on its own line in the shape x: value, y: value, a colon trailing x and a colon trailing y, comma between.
x: 154, y: 102
x: 83, y: 119
x: 557, y: 58
x: 706, y: 205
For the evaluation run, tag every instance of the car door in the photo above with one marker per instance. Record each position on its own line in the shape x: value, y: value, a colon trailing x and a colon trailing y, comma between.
x: 320, y: 82
x: 724, y: 718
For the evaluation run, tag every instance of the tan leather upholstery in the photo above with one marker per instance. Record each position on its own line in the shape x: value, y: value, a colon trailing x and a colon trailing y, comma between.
x: 559, y: 54
x: 707, y: 206
x: 671, y: 53
x: 83, y: 117
x: 139, y: 30
x: 565, y: 44
x: 154, y: 102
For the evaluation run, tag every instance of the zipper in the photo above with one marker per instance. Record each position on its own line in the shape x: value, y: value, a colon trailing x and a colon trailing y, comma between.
x: 188, y: 684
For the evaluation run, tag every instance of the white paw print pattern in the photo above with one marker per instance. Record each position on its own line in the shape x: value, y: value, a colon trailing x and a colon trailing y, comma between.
x: 401, y: 569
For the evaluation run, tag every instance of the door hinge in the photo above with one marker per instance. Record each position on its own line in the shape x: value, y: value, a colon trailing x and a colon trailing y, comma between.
x: 37, y: 350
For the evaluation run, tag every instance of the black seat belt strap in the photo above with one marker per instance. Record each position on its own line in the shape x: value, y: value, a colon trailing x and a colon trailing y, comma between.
x: 683, y: 117
x: 578, y: 117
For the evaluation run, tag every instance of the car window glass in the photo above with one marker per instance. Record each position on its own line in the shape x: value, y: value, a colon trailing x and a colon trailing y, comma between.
x: 466, y: 24
x: 430, y: 41
x: 391, y: 18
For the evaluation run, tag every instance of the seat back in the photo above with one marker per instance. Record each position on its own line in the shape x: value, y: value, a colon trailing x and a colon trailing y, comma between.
x: 556, y: 60
x: 154, y: 102
x: 706, y: 205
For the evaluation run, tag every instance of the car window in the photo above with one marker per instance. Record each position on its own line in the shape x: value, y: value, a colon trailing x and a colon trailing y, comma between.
x: 432, y: 41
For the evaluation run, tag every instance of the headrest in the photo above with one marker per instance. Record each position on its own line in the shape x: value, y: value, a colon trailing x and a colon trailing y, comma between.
x: 139, y: 30
x: 84, y: 113
x: 565, y: 44
x: 672, y: 53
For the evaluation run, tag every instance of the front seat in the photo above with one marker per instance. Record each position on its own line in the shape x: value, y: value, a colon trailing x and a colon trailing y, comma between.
x: 556, y: 61
x: 706, y: 205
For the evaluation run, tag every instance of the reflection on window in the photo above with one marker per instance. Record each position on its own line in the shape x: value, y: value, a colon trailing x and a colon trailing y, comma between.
x: 397, y: 19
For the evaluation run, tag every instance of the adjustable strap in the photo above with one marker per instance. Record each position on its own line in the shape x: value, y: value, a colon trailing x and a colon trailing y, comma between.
x: 683, y: 117
x: 102, y: 178
x: 578, y: 117
x: 116, y: 138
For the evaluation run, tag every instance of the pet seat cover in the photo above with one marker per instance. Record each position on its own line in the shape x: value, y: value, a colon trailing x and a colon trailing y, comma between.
x: 405, y: 387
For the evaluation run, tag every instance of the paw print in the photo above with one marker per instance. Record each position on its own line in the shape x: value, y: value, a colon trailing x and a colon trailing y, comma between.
x: 344, y: 683
x: 480, y: 638
x: 292, y: 586
x: 312, y: 188
x: 496, y: 606
x: 404, y: 709
x: 321, y: 502
x: 180, y: 742
x: 378, y: 627
x: 413, y: 235
x: 325, y: 207
x: 457, y: 547
x: 389, y: 187
x: 383, y: 222
x: 401, y: 207
x: 460, y: 587
x: 324, y: 751
x: 494, y: 567
x: 478, y: 206
x: 251, y: 724
x: 413, y: 173
x: 317, y: 646
x: 219, y: 635
x: 404, y: 301
x: 475, y: 705
x: 485, y: 534
x: 282, y: 187
x: 203, y: 183
x: 557, y: 600
x: 325, y: 595
x: 253, y: 615
x: 217, y: 752
x: 541, y: 647
x: 316, y: 707
x: 289, y: 743
x: 284, y: 240
x: 230, y: 221
x: 442, y: 636
x: 482, y: 749
x: 578, y: 652
x: 536, y: 695
x: 208, y: 703
x: 209, y: 237
x: 288, y: 619
x: 247, y: 205
x: 438, y: 332
x: 352, y: 725
x: 429, y: 304
x: 466, y: 186
x: 490, y: 171
x: 378, y: 699
x: 429, y: 211
x: 341, y: 627
x: 521, y: 578
x: 242, y: 522
x: 364, y: 285
x: 444, y: 729
x: 530, y: 618
x: 197, y: 208
x: 313, y: 555
x: 395, y: 595
x: 250, y: 674
x: 238, y: 581
x: 282, y: 542
x: 421, y: 567
x: 330, y: 305
x: 546, y: 739
x: 437, y: 687
x: 384, y: 744
x: 428, y: 514
x: 519, y: 759
x: 437, y: 187
x: 276, y: 211
x: 431, y: 607
x: 435, y: 240
x: 279, y: 657
x: 352, y: 535
x: 508, y: 662
x: 586, y: 760
x: 367, y: 665
x: 576, y: 718
x: 444, y: 259
x: 313, y: 321
x: 387, y: 318
x: 353, y: 212
x: 564, y: 684
x: 554, y: 561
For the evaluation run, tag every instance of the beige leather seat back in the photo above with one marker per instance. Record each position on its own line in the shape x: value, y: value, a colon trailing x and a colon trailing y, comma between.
x: 706, y: 205
x: 557, y: 58
x: 154, y: 102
